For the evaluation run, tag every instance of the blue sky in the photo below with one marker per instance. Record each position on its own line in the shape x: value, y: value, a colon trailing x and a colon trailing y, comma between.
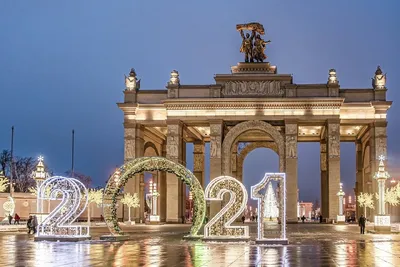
x: 62, y: 65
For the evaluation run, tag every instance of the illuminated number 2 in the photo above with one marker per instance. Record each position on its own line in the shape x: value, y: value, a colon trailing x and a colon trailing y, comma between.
x: 220, y: 225
x: 74, y: 198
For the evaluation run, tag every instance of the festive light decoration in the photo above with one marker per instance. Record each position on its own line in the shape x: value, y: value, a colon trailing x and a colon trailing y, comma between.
x: 3, y: 182
x: 40, y: 175
x: 9, y: 207
x: 152, y: 197
x: 220, y: 225
x: 94, y: 196
x: 270, y: 203
x: 132, y: 201
x: 257, y: 195
x: 74, y: 199
x: 149, y: 164
x: 366, y: 200
x: 340, y: 194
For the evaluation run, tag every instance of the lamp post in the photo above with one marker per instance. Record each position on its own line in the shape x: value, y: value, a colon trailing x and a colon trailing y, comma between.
x: 340, y: 217
x: 190, y: 205
x: 382, y: 221
x: 153, y: 193
x: 39, y: 175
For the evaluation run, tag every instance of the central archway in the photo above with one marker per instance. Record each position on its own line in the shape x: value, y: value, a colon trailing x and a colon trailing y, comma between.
x: 147, y: 164
x: 243, y: 127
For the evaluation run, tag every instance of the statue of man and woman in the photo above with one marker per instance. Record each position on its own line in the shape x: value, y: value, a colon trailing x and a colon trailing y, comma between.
x: 253, y: 46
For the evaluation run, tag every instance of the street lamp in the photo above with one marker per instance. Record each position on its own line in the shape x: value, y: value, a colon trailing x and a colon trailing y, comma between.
x: 382, y: 221
x: 341, y: 218
x: 153, y: 194
x: 39, y: 175
x: 190, y: 205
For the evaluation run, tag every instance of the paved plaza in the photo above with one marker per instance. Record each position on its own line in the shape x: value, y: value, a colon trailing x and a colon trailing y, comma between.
x: 310, y: 245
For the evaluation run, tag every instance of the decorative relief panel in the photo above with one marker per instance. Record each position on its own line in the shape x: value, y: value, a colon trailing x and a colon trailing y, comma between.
x: 198, y: 164
x: 215, y: 146
x: 172, y: 93
x: 266, y: 88
x: 334, y: 140
x: 322, y: 148
x: 380, y: 131
x: 215, y: 129
x: 215, y: 93
x: 173, y: 129
x: 198, y: 148
x: 334, y: 92
x: 172, y: 147
x: 291, y: 147
x: 129, y: 146
x: 291, y: 129
x: 290, y: 92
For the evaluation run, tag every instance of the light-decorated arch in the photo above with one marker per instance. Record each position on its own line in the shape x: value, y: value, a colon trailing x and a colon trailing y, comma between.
x: 246, y: 150
x: 243, y: 127
x: 147, y: 164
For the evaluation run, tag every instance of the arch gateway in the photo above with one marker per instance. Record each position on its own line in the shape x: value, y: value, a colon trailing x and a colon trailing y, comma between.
x: 256, y: 105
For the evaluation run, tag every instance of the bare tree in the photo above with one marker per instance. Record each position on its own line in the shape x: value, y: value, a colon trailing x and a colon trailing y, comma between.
x: 5, y: 160
x: 86, y: 180
x: 22, y: 174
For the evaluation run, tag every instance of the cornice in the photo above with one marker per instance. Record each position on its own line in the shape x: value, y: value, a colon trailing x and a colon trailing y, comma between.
x: 254, y: 104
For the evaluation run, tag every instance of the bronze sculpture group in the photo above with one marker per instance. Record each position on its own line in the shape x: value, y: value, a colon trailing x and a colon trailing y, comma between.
x: 253, y: 46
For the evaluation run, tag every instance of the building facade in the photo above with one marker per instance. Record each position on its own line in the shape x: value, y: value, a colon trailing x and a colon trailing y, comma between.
x: 254, y: 106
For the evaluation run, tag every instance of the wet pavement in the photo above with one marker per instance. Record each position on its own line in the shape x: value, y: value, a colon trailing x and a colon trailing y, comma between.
x: 310, y: 245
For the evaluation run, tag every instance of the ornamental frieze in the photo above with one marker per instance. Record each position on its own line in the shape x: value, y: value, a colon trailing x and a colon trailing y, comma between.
x: 253, y: 88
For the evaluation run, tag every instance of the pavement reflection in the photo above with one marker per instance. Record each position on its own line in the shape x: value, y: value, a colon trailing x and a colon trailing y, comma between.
x: 310, y: 245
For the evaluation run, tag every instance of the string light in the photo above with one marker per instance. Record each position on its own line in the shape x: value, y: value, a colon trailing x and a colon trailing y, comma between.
x: 74, y: 199
x: 257, y: 195
x: 219, y: 226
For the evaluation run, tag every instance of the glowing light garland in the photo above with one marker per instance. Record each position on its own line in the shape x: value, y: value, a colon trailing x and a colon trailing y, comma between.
x: 74, y: 199
x: 149, y: 164
x: 257, y: 195
x: 220, y: 225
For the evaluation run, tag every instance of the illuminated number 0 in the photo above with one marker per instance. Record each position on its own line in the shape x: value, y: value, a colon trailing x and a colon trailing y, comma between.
x: 74, y: 198
x: 220, y: 225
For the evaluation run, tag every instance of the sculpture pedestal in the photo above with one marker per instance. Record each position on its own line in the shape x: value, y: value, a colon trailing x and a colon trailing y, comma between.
x: 154, y: 219
x: 382, y: 224
x: 341, y: 219
x: 254, y: 68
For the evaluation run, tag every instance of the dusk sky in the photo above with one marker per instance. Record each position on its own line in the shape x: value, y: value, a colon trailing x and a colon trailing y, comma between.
x: 62, y: 67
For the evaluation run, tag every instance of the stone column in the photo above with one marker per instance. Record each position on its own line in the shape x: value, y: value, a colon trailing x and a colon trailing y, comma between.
x: 182, y: 186
x: 291, y: 170
x: 198, y: 162
x: 132, y: 186
x: 324, y: 180
x: 359, y: 186
x: 216, y: 133
x: 333, y: 167
x: 163, y: 187
x: 174, y: 153
x: 140, y: 176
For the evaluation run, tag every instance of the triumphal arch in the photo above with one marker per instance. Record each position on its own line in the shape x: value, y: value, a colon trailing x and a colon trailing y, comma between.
x: 254, y: 106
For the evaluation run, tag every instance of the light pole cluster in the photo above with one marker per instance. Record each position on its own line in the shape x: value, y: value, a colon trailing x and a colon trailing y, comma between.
x: 340, y: 217
x: 153, y: 194
x: 382, y: 221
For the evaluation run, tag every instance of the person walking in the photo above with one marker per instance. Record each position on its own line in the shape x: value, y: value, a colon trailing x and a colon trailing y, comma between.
x: 361, y: 223
x: 243, y: 219
x: 16, y: 218
x: 10, y: 218
x: 35, y: 224
x: 29, y: 224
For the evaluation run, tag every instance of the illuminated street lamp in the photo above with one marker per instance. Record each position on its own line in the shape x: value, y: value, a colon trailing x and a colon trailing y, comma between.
x: 39, y: 175
x: 153, y: 194
x: 190, y: 205
x: 341, y: 218
x: 382, y: 221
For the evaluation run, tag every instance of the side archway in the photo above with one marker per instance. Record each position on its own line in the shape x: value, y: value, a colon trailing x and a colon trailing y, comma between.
x: 243, y: 127
x: 127, y: 171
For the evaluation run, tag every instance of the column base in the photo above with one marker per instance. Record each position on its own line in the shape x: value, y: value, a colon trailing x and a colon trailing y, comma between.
x: 341, y: 219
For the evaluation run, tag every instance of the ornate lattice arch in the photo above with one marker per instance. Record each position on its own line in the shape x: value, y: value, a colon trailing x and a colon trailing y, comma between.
x: 246, y: 150
x: 138, y: 165
x: 243, y: 127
